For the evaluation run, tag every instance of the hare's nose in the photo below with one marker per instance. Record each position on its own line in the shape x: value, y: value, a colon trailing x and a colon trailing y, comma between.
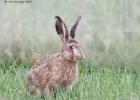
x: 78, y: 57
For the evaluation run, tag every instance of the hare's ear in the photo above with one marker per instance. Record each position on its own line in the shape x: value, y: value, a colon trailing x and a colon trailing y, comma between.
x: 73, y: 29
x: 61, y: 29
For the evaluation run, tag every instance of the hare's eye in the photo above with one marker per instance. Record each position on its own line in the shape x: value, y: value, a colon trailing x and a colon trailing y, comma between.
x: 70, y: 47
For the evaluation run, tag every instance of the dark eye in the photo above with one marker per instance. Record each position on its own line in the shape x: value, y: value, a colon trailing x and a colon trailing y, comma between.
x: 71, y: 47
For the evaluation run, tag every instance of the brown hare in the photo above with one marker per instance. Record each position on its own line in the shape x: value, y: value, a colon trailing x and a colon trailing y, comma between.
x: 58, y: 69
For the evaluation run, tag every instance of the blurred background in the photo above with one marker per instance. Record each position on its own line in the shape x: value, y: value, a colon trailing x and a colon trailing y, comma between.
x: 109, y: 30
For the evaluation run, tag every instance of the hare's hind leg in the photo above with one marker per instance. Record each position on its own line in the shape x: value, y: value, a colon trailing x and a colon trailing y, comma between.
x: 54, y: 92
x: 48, y: 93
x: 32, y: 90
x: 67, y: 86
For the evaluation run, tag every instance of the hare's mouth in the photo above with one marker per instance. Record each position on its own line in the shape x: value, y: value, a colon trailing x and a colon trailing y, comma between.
x: 70, y: 59
x: 75, y: 59
x: 78, y: 58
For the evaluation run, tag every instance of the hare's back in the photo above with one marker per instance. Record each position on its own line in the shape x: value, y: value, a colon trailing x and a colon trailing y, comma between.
x: 42, y: 71
x: 46, y: 61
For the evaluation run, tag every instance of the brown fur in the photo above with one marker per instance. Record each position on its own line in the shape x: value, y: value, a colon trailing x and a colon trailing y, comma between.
x: 59, y: 69
x: 51, y: 71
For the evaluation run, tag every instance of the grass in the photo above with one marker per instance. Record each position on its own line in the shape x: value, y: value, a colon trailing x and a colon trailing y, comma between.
x: 96, y: 82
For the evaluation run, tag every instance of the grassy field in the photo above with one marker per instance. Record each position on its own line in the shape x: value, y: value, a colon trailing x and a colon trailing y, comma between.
x: 96, y: 82
x: 109, y: 33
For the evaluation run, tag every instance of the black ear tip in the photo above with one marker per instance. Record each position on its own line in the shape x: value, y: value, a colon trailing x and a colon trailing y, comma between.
x: 58, y: 18
x: 79, y: 17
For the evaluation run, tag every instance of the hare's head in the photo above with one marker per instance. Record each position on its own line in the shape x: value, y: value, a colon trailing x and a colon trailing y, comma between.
x: 71, y: 49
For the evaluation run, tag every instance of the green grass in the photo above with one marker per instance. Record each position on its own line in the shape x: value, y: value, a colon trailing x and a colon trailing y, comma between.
x: 95, y: 82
